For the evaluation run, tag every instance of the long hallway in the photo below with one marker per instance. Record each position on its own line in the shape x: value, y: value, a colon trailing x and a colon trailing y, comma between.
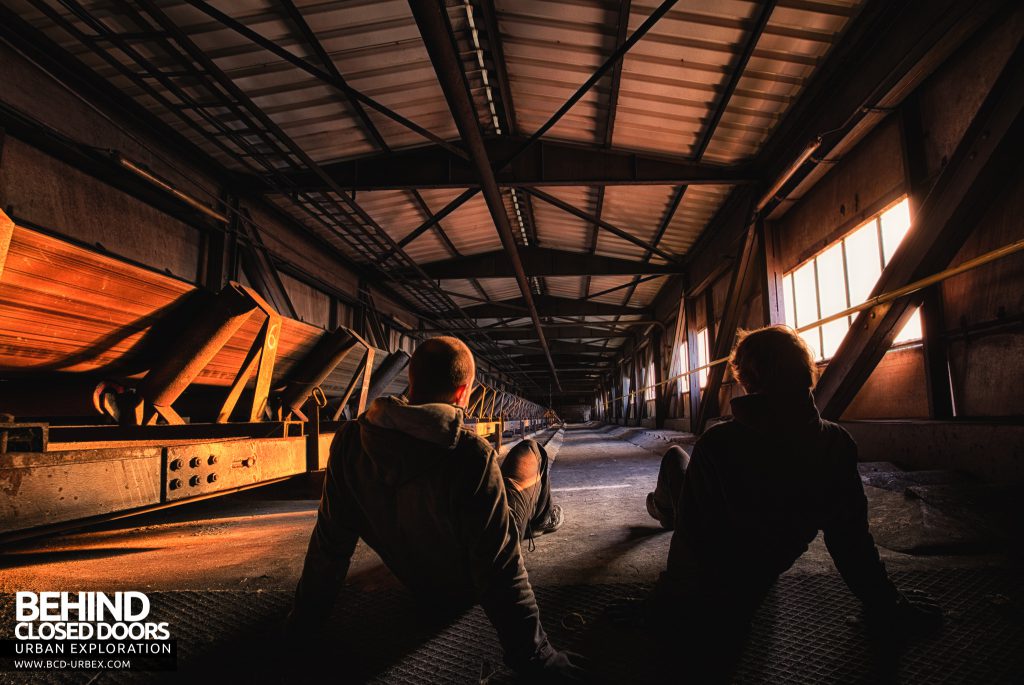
x: 223, y: 602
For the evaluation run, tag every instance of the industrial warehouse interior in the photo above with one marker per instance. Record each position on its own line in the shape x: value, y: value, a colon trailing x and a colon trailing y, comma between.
x: 228, y: 226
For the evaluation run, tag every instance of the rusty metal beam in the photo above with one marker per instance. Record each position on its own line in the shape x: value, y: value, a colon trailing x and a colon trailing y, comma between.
x: 432, y: 20
x: 167, y: 380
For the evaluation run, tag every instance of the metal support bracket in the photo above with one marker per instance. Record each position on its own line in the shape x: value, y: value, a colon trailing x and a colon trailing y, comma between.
x: 227, y: 313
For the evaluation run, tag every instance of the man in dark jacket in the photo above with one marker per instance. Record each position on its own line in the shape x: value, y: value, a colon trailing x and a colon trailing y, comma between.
x: 755, y: 493
x: 429, y: 497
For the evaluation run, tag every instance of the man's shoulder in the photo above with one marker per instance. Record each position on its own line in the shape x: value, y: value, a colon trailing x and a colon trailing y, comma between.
x: 472, y: 446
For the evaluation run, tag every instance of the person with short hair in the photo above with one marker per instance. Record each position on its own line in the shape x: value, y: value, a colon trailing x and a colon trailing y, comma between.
x: 429, y: 497
x: 755, y: 492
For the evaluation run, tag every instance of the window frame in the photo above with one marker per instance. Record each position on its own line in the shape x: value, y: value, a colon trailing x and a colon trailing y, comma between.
x: 789, y: 281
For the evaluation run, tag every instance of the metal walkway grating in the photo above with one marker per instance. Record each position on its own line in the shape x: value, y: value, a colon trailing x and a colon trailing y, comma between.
x: 807, y: 632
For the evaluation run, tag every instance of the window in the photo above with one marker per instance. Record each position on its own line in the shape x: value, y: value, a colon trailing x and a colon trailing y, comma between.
x: 842, y: 276
x: 649, y: 383
x: 702, y: 356
x: 683, y: 382
x: 625, y: 393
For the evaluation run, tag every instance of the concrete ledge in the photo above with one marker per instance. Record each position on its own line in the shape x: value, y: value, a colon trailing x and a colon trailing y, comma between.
x: 680, y: 425
x: 990, y: 451
x: 652, y: 439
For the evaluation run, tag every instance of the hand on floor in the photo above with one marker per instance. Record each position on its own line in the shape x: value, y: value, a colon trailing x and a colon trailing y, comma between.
x: 915, y: 613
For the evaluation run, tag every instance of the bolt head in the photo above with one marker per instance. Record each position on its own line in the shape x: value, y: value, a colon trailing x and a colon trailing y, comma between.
x: 193, y: 481
x: 175, y: 464
x: 194, y: 462
x: 175, y: 483
x: 212, y: 459
x: 212, y: 478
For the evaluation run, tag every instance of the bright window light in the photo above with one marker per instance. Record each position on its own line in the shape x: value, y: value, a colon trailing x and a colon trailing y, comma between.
x: 683, y: 382
x: 911, y: 329
x: 845, y: 275
x: 895, y: 223
x: 863, y: 258
x: 702, y: 356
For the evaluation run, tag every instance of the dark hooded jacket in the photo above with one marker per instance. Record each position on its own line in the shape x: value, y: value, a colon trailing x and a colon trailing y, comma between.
x: 427, y: 495
x: 757, y: 491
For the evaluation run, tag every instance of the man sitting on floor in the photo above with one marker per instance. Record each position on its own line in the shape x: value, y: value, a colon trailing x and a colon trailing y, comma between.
x: 428, y: 496
x: 756, y: 491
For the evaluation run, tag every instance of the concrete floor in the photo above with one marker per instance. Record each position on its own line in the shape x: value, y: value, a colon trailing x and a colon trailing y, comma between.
x: 246, y: 542
x: 252, y: 545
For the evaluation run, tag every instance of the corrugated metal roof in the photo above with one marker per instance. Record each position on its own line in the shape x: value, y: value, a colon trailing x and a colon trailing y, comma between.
x: 557, y: 228
x: 602, y: 283
x: 671, y: 82
x: 398, y: 214
x: 565, y: 286
x: 639, y: 210
x: 500, y: 288
x: 551, y: 47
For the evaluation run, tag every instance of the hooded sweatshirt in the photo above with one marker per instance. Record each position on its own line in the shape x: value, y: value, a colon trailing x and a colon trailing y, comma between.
x: 757, y: 491
x: 427, y: 495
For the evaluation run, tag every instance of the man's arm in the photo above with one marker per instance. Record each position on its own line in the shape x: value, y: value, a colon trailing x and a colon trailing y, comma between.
x: 850, y: 543
x: 330, y: 548
x: 498, y: 573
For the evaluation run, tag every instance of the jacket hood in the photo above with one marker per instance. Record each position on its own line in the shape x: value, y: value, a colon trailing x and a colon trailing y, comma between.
x: 771, y: 412
x: 437, y: 423
x: 393, y: 432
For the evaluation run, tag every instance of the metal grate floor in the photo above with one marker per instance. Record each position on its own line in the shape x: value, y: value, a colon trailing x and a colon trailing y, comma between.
x: 806, y: 632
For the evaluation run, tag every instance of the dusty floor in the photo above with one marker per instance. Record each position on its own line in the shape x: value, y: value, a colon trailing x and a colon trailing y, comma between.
x: 248, y: 542
x: 253, y: 544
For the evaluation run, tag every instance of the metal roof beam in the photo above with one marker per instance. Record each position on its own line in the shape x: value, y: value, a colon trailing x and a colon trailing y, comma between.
x: 527, y: 333
x: 616, y: 78
x: 551, y: 305
x: 318, y: 73
x: 497, y: 50
x: 610, y: 227
x: 708, y: 132
x: 547, y: 163
x: 537, y: 361
x: 557, y: 346
x: 310, y: 38
x: 568, y: 331
x: 541, y: 261
x: 436, y: 31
